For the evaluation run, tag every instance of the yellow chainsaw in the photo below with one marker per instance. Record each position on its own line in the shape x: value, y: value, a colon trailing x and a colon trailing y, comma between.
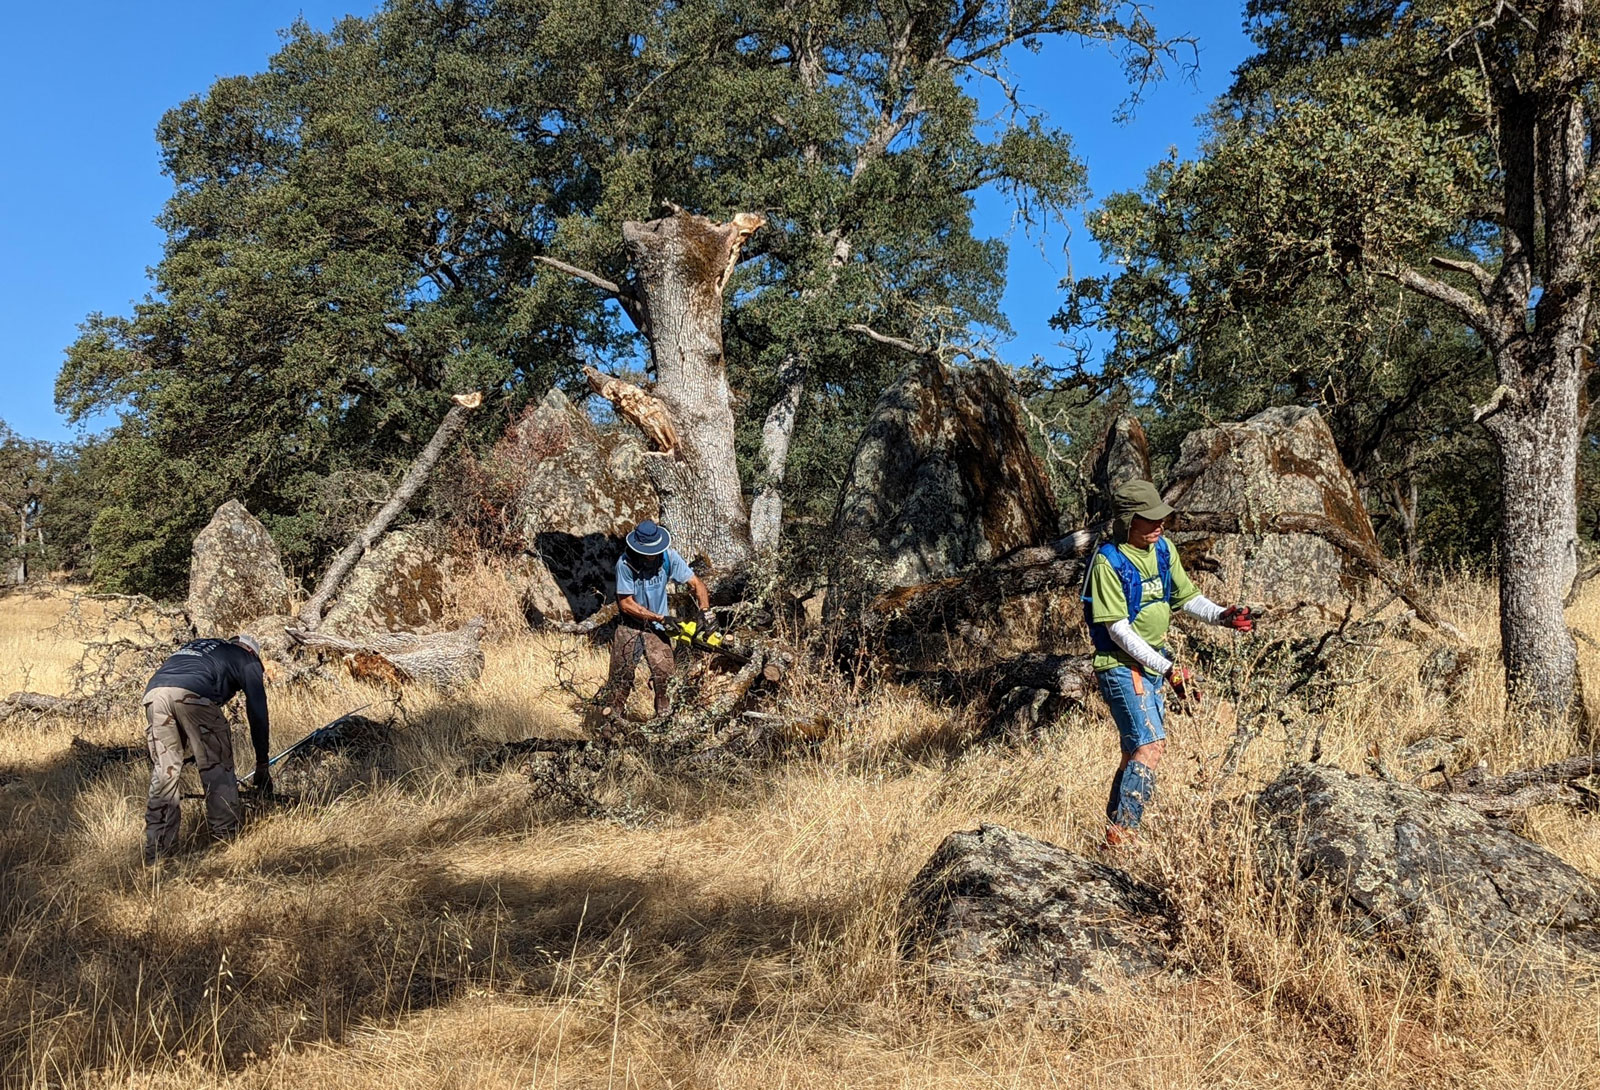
x: 700, y: 637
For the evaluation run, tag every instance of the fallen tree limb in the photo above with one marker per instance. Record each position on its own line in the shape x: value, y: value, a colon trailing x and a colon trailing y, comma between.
x: 42, y: 704
x: 1017, y: 696
x: 442, y: 659
x: 1362, y: 553
x: 600, y: 617
x: 450, y: 427
x: 898, y: 620
x: 1516, y: 791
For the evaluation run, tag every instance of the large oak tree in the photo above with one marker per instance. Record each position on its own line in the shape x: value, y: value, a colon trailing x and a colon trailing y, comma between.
x: 379, y: 218
x: 1445, y: 148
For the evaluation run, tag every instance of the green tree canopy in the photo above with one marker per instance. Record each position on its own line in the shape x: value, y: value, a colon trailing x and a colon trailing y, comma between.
x: 364, y: 227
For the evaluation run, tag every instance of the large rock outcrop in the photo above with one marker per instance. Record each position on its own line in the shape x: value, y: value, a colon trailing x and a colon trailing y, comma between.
x: 585, y: 489
x: 400, y: 585
x: 235, y: 573
x: 1005, y: 919
x: 1123, y: 456
x: 942, y: 479
x: 1249, y: 485
x: 1398, y: 862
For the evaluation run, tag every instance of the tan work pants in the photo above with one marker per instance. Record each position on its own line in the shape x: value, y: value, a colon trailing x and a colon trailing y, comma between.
x: 176, y: 718
x: 628, y: 646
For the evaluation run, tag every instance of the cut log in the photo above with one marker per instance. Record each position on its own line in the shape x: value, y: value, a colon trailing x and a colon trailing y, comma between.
x: 443, y: 659
x: 450, y: 427
x: 43, y: 704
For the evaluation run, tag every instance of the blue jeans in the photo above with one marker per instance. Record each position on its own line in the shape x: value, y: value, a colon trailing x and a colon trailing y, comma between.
x: 1141, y: 720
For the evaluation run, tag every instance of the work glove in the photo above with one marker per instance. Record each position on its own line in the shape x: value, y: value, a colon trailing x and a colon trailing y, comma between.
x: 1184, y: 694
x: 1237, y: 618
x: 263, y: 779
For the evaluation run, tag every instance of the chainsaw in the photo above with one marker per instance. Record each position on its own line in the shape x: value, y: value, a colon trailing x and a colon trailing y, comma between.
x: 700, y: 637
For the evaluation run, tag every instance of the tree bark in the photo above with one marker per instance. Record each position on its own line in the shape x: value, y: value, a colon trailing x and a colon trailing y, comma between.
x: 1541, y: 370
x: 682, y: 263
x: 777, y: 432
x: 1538, y: 446
x: 410, y: 485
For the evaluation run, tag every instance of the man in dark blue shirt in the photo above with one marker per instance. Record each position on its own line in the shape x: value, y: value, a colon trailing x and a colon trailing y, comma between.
x: 644, y: 569
x: 183, y: 708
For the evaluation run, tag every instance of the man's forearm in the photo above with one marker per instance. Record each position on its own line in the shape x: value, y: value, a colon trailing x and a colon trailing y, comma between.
x: 1148, y: 658
x: 255, y: 709
x: 1204, y: 609
x: 630, y: 607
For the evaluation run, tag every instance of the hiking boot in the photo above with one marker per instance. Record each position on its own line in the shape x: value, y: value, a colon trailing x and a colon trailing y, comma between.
x: 1119, y: 838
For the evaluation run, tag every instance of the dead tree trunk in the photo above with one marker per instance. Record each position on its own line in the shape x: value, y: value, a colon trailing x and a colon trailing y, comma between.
x: 777, y: 431
x: 410, y: 485
x: 682, y: 263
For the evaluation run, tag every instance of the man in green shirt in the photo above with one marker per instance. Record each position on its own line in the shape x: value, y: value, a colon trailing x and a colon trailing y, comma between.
x: 1129, y: 594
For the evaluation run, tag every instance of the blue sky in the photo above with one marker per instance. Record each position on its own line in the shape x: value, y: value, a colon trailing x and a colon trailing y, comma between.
x: 80, y: 182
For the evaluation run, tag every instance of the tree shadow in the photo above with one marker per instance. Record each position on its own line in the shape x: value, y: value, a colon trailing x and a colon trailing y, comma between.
x: 583, y: 566
x: 336, y: 939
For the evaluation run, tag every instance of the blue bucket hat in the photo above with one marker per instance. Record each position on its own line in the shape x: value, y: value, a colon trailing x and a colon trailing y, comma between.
x: 649, y: 539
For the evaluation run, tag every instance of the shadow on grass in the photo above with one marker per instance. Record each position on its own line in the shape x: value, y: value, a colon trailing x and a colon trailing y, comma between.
x: 305, y: 945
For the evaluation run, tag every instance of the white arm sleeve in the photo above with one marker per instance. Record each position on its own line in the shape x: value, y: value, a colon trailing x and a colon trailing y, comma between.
x: 1204, y: 608
x: 1123, y: 635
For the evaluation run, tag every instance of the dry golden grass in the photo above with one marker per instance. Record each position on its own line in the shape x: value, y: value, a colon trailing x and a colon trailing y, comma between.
x: 408, y: 926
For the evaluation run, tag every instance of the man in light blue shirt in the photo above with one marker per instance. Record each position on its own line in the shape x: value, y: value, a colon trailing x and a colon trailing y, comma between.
x: 644, y: 569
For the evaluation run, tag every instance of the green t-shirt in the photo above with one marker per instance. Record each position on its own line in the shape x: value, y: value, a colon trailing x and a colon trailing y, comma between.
x: 1108, y: 604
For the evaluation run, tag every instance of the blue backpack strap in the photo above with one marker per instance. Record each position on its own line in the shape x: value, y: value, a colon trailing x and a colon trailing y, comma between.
x: 1132, y: 586
x: 1164, y: 567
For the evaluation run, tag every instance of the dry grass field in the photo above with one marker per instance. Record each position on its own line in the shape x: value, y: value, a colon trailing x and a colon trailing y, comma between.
x: 408, y: 925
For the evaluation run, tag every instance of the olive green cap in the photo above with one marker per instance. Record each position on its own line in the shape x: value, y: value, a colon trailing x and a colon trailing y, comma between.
x: 1140, y: 498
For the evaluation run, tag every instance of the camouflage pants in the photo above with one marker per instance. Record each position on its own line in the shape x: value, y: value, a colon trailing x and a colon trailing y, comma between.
x: 175, y: 719
x: 628, y: 646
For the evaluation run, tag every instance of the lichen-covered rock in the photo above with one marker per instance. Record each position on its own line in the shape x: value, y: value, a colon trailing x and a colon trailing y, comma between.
x: 942, y: 479
x: 585, y: 489
x: 235, y: 573
x: 400, y: 585
x: 1005, y: 919
x: 1401, y: 863
x: 1281, y: 461
x: 1124, y: 455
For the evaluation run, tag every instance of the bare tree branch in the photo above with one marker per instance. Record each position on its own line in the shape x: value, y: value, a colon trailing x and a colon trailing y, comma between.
x: 622, y: 293
x: 410, y: 485
x: 1471, y: 310
x: 894, y: 342
x: 1551, y: 783
x: 1482, y: 276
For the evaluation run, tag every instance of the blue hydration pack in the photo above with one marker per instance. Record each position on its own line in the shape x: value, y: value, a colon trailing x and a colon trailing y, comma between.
x: 1132, y: 588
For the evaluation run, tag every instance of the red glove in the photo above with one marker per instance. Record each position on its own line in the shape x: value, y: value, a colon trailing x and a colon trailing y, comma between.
x: 1179, y: 679
x: 1237, y: 618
